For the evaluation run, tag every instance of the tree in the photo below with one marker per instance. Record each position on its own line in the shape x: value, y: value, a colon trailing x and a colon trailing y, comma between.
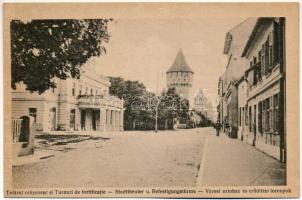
x: 146, y: 108
x: 129, y: 91
x: 44, y: 49
x: 179, y: 110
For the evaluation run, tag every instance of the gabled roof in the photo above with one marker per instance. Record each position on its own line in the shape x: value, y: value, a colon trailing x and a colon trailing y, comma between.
x: 261, y: 22
x: 180, y: 64
x: 238, y: 35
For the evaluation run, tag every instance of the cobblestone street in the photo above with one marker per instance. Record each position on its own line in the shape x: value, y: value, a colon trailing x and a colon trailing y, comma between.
x: 144, y: 159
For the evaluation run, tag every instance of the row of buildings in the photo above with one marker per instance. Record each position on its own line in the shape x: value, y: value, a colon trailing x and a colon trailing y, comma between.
x: 74, y: 105
x: 252, y: 100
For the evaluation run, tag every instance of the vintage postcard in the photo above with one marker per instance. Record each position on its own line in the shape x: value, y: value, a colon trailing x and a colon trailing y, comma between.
x: 170, y: 100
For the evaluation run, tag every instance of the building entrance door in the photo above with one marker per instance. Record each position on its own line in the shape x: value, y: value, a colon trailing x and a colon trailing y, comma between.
x: 72, y: 119
x: 83, y: 119
x: 95, y: 119
x: 52, y: 119
x: 254, y: 126
x: 24, y: 133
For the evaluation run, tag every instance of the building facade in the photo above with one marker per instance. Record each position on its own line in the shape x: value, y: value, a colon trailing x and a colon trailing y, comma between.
x: 266, y: 87
x: 252, y: 88
x: 221, y: 103
x: 200, y: 101
x: 203, y: 105
x: 231, y: 106
x: 180, y: 76
x: 228, y: 95
x: 242, y: 107
x: 75, y: 105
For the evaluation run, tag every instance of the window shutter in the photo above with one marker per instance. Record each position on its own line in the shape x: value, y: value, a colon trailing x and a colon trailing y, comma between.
x: 267, y: 55
x: 276, y: 43
x: 262, y: 60
x: 260, y: 117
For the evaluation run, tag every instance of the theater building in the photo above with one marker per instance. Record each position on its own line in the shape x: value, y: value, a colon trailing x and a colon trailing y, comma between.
x: 265, y: 110
x: 75, y: 105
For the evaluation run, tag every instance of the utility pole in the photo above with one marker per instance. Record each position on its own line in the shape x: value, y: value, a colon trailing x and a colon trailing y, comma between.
x: 156, y: 115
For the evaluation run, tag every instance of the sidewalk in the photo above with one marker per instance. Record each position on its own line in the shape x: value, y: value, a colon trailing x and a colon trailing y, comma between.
x: 230, y: 162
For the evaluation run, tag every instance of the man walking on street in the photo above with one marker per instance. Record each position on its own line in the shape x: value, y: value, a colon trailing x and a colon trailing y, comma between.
x: 217, y: 127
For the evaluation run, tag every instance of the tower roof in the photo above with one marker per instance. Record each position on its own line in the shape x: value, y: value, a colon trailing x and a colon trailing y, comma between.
x: 180, y: 64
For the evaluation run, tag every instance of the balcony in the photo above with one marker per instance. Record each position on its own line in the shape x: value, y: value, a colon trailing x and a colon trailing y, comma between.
x: 98, y: 101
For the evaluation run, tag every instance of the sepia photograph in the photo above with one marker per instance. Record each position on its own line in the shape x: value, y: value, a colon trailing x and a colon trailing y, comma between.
x: 132, y: 105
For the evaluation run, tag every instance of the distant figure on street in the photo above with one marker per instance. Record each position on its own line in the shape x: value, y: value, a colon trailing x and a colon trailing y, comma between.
x: 227, y: 129
x: 217, y: 127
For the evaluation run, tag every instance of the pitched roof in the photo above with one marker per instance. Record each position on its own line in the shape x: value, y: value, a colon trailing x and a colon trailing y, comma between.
x: 180, y: 64
x: 259, y: 26
x: 238, y: 35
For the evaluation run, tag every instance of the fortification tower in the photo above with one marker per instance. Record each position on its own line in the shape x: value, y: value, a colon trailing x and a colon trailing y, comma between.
x: 180, y: 76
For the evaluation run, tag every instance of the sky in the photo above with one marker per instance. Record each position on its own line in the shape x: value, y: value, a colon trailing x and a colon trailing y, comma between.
x: 143, y: 49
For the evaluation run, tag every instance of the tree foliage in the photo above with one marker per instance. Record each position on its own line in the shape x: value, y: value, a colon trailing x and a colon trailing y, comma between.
x: 178, y: 110
x: 171, y: 105
x: 44, y: 49
x: 128, y: 90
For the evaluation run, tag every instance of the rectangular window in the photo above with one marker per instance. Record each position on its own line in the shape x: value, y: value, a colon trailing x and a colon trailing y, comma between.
x: 239, y: 117
x: 111, y: 117
x: 73, y: 89
x: 276, y: 43
x: 276, y: 112
x: 80, y: 90
x: 255, y: 77
x: 259, y: 57
x: 266, y: 56
x: 270, y: 57
x: 250, y: 119
x: 260, y: 117
x: 246, y: 116
x: 255, y: 118
x: 263, y: 60
x: 263, y: 115
x: 243, y: 116
x: 33, y: 113
x: 268, y: 115
x: 91, y: 91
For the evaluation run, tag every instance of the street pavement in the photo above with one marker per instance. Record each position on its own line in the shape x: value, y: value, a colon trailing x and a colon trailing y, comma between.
x: 192, y: 157
x: 126, y: 159
x: 231, y: 162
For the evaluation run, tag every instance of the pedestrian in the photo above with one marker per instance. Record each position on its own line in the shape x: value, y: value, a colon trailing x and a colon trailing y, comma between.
x: 217, y: 127
x: 227, y: 128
